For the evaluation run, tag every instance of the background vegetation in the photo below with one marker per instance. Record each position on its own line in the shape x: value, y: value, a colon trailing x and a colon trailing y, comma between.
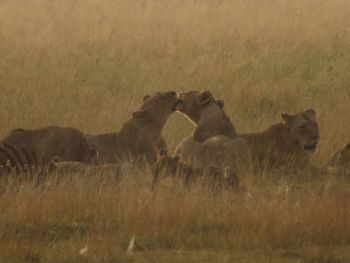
x: 88, y: 63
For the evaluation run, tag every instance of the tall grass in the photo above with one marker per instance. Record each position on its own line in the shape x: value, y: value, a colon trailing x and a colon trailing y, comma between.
x: 88, y: 63
x: 59, y: 218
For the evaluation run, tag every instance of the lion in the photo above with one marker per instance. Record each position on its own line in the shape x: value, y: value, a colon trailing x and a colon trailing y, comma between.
x: 69, y: 144
x: 217, y: 178
x: 207, y: 114
x: 215, y: 140
x: 287, y: 144
x: 340, y: 159
x: 140, y: 137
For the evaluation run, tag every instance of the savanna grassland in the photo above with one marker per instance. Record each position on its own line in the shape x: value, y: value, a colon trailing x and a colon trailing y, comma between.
x: 88, y: 63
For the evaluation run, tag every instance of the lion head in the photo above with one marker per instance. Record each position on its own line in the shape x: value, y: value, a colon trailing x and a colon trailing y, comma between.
x: 158, y: 105
x: 192, y: 102
x: 341, y: 158
x: 303, y: 129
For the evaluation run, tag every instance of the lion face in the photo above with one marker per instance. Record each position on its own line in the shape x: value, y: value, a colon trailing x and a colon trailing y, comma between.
x: 158, y: 105
x: 342, y: 157
x: 345, y: 154
x: 191, y: 103
x: 303, y: 129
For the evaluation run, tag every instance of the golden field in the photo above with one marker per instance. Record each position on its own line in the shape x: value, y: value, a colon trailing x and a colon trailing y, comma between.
x: 88, y: 63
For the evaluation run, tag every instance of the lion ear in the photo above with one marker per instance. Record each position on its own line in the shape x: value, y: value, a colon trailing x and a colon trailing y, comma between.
x: 146, y: 97
x: 347, y: 146
x: 286, y: 117
x: 205, y: 97
x: 221, y: 103
x: 310, y: 113
x: 177, y: 158
x: 141, y: 114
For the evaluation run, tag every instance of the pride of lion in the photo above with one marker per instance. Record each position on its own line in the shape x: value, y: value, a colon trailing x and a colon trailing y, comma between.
x: 215, y: 152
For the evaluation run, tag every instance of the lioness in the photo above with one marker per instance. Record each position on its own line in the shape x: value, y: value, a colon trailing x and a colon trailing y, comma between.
x: 68, y: 144
x: 341, y: 158
x: 215, y: 140
x: 141, y: 136
x: 286, y: 144
x: 216, y: 177
x: 207, y: 114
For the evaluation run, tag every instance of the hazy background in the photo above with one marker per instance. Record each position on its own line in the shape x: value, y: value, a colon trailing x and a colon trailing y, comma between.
x: 88, y: 64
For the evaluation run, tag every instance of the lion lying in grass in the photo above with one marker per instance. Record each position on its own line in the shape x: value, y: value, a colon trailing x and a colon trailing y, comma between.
x: 287, y: 144
x: 68, y: 144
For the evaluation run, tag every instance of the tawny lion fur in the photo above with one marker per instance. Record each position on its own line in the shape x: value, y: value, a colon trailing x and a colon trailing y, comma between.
x: 214, y: 141
x: 141, y: 136
x: 285, y: 144
x: 340, y: 159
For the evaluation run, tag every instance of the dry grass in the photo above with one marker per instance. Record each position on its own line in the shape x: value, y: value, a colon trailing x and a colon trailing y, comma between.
x: 88, y: 64
x: 57, y: 219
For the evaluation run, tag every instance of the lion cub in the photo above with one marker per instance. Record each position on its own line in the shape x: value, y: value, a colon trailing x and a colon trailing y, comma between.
x: 216, y: 178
